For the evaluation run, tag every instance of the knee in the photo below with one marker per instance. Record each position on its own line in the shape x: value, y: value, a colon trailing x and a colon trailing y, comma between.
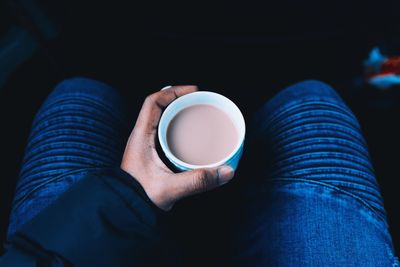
x: 304, y: 101
x: 310, y: 93
x: 77, y: 86
x: 310, y: 88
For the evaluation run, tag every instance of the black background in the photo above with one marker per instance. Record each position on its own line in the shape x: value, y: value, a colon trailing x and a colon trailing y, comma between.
x: 245, y: 50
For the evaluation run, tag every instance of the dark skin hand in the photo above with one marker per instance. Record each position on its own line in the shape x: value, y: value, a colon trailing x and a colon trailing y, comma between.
x: 163, y: 186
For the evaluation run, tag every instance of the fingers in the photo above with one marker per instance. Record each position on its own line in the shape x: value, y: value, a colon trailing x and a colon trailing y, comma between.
x: 201, y: 180
x: 154, y: 104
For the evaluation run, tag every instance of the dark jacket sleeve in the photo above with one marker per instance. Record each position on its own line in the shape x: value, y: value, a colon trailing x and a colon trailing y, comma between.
x: 105, y: 219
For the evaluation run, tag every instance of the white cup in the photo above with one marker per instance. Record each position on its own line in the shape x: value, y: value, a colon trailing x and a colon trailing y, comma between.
x: 196, y: 98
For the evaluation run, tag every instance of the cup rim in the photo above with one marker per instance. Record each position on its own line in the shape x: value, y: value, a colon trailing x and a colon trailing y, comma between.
x: 186, y: 165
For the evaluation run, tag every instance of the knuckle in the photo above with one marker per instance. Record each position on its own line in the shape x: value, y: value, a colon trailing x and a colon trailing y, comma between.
x: 153, y: 99
x: 202, y: 181
x: 150, y: 99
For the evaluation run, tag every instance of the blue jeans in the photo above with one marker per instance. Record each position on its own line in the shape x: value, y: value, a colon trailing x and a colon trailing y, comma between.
x: 80, y: 128
x: 315, y: 201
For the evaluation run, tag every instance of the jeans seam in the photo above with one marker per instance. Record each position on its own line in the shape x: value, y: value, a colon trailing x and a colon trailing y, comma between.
x: 333, y: 187
x: 392, y: 257
x: 86, y: 170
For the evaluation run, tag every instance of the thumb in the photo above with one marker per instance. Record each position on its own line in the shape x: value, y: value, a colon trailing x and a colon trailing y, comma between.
x: 201, y: 180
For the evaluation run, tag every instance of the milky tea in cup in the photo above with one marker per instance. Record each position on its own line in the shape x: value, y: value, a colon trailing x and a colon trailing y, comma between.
x: 202, y: 130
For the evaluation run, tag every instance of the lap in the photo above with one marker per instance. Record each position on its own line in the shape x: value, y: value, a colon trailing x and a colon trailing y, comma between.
x: 305, y: 192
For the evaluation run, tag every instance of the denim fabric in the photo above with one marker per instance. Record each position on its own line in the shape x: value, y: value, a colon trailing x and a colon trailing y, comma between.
x: 317, y: 202
x: 80, y: 128
x: 314, y: 201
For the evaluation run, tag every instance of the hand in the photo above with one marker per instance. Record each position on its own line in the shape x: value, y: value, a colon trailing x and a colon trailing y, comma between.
x: 141, y: 160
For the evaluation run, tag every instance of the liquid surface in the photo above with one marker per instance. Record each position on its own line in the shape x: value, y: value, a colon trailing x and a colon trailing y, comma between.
x: 201, y: 135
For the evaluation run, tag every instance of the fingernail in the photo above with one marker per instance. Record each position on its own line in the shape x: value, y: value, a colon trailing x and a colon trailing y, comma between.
x: 166, y: 87
x: 225, y: 174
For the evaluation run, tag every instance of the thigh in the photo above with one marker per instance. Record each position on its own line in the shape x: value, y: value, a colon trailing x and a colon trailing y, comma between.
x: 315, y: 201
x: 81, y: 127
